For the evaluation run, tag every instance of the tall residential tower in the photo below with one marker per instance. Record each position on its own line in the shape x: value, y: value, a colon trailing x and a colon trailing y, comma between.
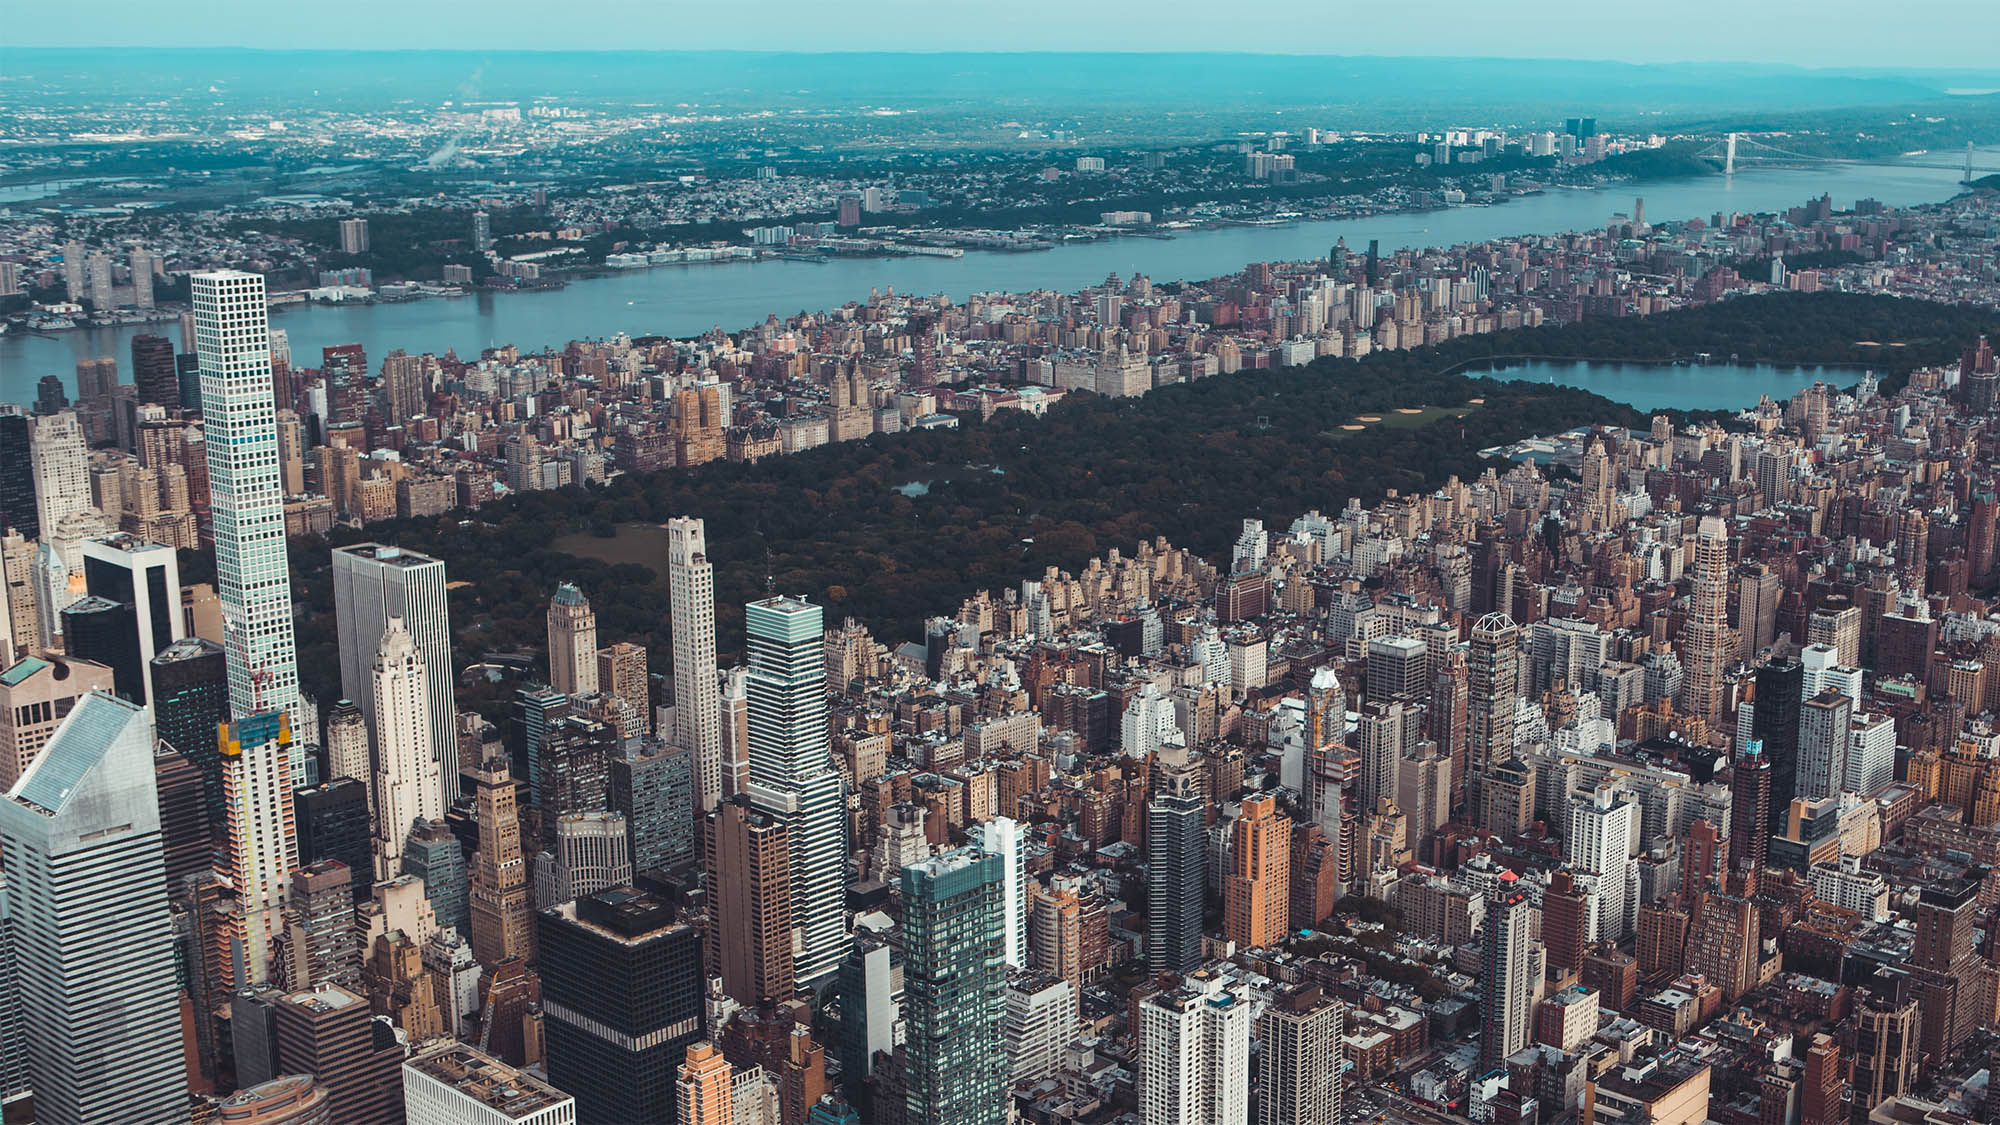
x: 697, y: 695
x: 246, y: 496
x: 792, y: 775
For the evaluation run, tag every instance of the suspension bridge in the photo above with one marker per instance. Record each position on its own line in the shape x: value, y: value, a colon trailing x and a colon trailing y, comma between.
x: 1739, y: 151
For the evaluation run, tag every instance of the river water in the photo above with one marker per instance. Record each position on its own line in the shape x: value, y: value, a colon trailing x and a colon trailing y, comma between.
x: 686, y: 300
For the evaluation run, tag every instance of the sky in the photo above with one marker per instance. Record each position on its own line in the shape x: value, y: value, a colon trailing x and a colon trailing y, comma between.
x: 1833, y: 33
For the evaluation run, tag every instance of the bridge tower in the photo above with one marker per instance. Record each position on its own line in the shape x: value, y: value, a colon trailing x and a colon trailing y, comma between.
x: 1968, y: 163
x: 1729, y: 164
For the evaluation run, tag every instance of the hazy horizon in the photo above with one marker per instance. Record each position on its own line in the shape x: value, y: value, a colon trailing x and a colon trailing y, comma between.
x: 1827, y: 34
x: 1992, y: 70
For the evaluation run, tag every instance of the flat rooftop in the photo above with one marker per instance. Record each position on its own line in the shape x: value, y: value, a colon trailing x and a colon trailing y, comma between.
x: 485, y: 1079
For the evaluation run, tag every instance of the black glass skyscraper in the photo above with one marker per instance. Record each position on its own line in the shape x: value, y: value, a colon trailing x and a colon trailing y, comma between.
x: 191, y: 699
x: 621, y: 1001
x: 1176, y: 874
x: 50, y: 395
x: 17, y: 478
x: 185, y: 833
x: 108, y: 632
x: 333, y: 823
x: 187, y: 372
x: 1775, y: 723
x: 154, y: 370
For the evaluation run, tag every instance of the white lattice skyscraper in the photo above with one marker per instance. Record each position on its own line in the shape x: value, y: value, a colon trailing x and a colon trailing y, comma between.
x: 697, y: 697
x: 246, y: 494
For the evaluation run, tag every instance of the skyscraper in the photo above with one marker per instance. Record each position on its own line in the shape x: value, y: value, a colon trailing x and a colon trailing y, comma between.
x: 1565, y: 921
x: 1398, y: 669
x: 190, y: 698
x: 262, y: 846
x: 406, y: 767
x: 17, y: 476
x: 1388, y: 733
x: 1825, y: 723
x: 1492, y: 692
x: 1942, y: 964
x: 1003, y: 837
x: 590, y: 853
x: 1299, y: 1072
x: 622, y: 675
x: 75, y: 276
x: 1722, y: 943
x: 792, y: 774
x: 153, y: 370
x: 354, y: 236
x: 147, y: 577
x: 574, y: 775
x: 1041, y: 1024
x: 572, y: 642
x: 329, y: 1033
x: 457, y: 1084
x: 433, y: 853
x: 246, y: 496
x: 1506, y: 981
x: 1706, y: 645
x: 101, y: 297
x: 1885, y: 1051
x: 59, y: 457
x: 321, y: 943
x: 86, y: 904
x: 1176, y: 868
x: 621, y: 1003
x: 105, y: 632
x: 20, y: 615
x: 1256, y: 900
x: 750, y: 893
x: 1774, y: 722
x: 346, y: 746
x: 371, y: 584
x: 1194, y: 1061
x: 954, y: 974
x: 502, y: 921
x: 1749, y: 808
x: 333, y: 823
x: 538, y: 708
x: 703, y: 1096
x: 697, y: 697
x: 654, y: 787
x: 1757, y: 594
x: 1599, y: 844
x: 187, y: 836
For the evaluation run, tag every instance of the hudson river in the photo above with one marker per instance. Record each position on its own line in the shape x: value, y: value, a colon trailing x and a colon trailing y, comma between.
x: 686, y: 300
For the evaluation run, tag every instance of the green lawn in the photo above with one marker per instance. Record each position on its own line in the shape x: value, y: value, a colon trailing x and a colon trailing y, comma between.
x: 641, y: 543
x: 1398, y: 421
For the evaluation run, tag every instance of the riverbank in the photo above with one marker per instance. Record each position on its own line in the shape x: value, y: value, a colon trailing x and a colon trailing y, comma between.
x: 688, y: 302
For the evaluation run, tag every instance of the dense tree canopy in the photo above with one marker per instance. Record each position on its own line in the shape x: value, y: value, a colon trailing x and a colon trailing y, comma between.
x: 1188, y: 461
